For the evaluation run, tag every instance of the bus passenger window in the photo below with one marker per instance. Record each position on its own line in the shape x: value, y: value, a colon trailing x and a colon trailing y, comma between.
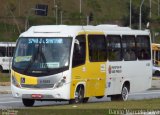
x: 10, y: 51
x: 97, y: 48
x: 157, y: 57
x: 129, y: 48
x: 143, y: 47
x: 114, y: 48
x: 79, y: 52
x: 2, y: 51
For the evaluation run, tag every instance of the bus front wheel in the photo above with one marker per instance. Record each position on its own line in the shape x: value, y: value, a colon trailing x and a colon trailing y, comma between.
x: 79, y: 96
x: 85, y: 100
x: 28, y: 102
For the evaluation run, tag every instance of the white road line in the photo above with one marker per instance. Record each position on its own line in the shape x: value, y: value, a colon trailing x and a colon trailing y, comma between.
x: 11, y: 102
x: 147, y: 93
x: 2, y: 99
x: 5, y: 96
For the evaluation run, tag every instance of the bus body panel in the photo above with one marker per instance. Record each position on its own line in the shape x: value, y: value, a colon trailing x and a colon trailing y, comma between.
x: 29, y: 80
x: 93, y: 76
x: 119, y: 72
x: 32, y: 85
x: 5, y: 62
x: 50, y: 94
x: 6, y: 53
x: 156, y: 58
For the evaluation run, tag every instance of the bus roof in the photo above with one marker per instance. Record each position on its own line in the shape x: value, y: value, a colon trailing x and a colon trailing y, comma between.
x: 70, y: 30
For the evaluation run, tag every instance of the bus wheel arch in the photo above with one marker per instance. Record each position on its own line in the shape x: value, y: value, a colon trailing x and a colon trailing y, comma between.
x: 125, y: 89
x: 127, y: 84
x: 99, y: 97
x: 79, y: 95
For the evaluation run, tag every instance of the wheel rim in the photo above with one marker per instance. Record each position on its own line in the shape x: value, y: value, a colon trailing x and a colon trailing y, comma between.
x: 79, y: 96
x: 125, y: 93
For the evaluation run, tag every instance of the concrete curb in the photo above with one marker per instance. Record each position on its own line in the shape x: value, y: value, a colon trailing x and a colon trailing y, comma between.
x: 154, y: 88
x: 5, y: 92
x: 5, y: 83
x: 155, y: 78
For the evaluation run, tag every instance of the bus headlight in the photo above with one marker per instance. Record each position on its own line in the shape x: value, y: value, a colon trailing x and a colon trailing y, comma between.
x: 15, y: 82
x: 60, y: 83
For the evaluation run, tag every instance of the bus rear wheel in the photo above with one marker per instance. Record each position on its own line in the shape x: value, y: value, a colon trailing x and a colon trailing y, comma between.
x: 28, y: 102
x: 121, y: 97
x: 124, y: 94
x: 79, y: 96
x: 1, y: 69
x: 157, y: 73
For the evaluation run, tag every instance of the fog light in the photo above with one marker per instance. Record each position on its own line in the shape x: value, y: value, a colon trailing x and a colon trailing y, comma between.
x: 17, y: 94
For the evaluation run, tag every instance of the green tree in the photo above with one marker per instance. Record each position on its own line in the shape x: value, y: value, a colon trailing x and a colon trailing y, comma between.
x: 135, y: 16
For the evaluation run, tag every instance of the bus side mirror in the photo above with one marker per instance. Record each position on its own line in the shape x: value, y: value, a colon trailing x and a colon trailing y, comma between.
x: 76, y: 46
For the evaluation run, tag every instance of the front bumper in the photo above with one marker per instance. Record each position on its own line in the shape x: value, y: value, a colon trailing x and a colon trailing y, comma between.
x: 62, y: 93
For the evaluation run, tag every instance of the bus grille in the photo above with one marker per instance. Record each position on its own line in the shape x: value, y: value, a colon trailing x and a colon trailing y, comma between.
x: 38, y: 86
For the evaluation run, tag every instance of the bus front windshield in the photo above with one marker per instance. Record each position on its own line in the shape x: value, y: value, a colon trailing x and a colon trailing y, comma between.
x: 41, y: 54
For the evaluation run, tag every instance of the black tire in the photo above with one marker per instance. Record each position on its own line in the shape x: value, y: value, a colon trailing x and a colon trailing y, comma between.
x: 99, y: 97
x: 79, y: 98
x: 28, y: 102
x: 157, y: 73
x: 71, y: 101
x: 121, y: 97
x: 85, y: 100
x: 1, y: 69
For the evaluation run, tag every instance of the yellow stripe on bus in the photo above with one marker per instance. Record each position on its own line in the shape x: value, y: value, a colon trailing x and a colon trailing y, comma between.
x: 28, y: 79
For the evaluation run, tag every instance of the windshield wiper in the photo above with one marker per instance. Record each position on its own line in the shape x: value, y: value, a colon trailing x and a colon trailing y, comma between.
x: 35, y: 56
x: 32, y: 60
x: 44, y: 60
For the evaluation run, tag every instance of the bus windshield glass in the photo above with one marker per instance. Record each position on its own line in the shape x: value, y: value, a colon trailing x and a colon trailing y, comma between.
x: 39, y: 54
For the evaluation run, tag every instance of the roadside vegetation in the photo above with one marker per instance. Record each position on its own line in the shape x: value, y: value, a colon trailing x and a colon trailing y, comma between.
x: 4, y: 77
x: 100, y: 108
x: 15, y: 13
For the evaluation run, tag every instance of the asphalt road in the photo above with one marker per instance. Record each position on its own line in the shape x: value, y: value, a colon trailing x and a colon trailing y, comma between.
x: 8, y: 102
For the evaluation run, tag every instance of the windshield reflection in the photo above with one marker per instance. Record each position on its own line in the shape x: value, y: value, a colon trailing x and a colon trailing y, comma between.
x: 37, y: 54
